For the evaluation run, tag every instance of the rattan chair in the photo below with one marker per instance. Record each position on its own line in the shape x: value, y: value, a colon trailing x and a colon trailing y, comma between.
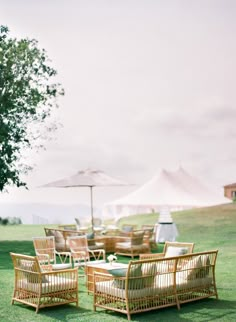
x: 39, y: 288
x: 81, y: 254
x: 181, y: 248
x: 133, y: 244
x: 47, y: 254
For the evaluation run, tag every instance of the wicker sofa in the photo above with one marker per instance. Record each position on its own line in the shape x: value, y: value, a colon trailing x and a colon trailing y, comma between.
x: 61, y: 236
x: 151, y: 284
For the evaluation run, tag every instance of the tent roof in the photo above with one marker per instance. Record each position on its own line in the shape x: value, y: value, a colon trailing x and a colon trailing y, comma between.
x: 173, y: 189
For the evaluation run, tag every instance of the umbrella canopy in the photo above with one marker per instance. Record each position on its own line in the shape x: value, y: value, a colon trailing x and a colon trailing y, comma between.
x: 87, y: 178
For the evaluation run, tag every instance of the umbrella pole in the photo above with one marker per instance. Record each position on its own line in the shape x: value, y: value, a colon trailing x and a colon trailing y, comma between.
x: 91, y: 198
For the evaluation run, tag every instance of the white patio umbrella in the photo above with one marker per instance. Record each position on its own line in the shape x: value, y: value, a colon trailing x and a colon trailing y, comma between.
x: 87, y: 178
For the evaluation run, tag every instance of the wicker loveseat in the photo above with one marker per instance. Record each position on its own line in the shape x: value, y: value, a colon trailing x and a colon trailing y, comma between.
x: 61, y: 239
x: 151, y: 284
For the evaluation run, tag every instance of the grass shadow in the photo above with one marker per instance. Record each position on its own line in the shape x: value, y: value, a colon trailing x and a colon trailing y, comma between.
x: 59, y: 313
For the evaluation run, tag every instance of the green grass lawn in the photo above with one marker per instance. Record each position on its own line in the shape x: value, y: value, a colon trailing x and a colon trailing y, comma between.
x: 209, y: 228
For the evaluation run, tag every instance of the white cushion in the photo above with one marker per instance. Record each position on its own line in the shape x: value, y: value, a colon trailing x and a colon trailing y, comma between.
x: 123, y: 245
x: 175, y: 251
x: 56, y: 267
x: 53, y: 284
x: 191, y: 268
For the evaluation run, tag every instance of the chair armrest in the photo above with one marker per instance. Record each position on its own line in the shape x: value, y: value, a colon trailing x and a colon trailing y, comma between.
x: 42, y: 258
x: 72, y: 272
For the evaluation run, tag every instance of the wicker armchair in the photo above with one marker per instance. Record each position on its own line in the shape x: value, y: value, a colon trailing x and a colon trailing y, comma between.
x: 39, y: 288
x: 81, y: 253
x: 133, y: 244
x: 46, y: 252
x: 171, y: 249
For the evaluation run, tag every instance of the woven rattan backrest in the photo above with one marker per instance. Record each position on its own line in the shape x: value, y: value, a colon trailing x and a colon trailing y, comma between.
x: 78, y: 244
x: 137, y: 237
x: 188, y: 246
x: 28, y: 263
x: 45, y: 245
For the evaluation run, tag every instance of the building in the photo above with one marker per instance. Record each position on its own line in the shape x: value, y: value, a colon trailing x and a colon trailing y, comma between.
x: 230, y: 191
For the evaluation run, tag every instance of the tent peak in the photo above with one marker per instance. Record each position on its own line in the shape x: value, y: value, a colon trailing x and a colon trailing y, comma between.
x: 89, y: 171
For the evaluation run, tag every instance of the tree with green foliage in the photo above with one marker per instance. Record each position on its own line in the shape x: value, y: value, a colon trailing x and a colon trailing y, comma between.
x: 27, y: 98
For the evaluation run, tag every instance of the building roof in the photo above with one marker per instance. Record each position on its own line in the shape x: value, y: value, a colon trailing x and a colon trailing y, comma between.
x: 231, y: 185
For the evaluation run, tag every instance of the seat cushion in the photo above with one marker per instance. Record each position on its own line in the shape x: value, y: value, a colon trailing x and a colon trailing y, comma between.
x: 108, y: 287
x: 56, y: 267
x: 123, y: 245
x: 52, y: 284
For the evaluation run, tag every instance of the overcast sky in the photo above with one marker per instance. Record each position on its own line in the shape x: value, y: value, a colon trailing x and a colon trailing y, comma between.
x: 148, y: 85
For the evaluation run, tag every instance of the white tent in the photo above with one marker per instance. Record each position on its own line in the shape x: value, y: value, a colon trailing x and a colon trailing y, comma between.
x: 176, y: 190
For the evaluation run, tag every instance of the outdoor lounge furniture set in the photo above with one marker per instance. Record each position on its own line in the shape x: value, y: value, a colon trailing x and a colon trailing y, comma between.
x: 154, y: 281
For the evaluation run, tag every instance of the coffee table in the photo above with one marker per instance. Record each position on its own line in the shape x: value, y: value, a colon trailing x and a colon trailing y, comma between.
x: 99, y: 267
